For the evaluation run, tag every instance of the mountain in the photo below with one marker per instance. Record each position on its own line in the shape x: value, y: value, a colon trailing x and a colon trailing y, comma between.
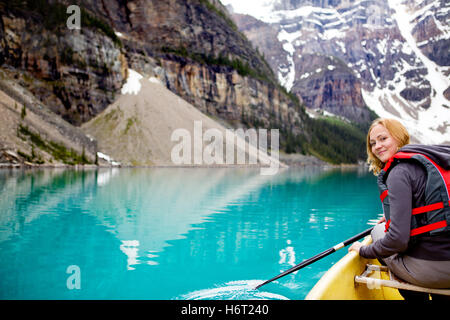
x: 76, y: 73
x: 138, y: 127
x: 349, y: 58
x: 31, y: 133
x: 191, y: 46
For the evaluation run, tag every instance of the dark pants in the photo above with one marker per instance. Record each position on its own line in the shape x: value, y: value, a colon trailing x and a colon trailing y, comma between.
x: 424, y: 273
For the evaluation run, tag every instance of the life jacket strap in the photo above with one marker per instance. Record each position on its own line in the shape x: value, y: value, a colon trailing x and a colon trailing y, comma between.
x: 429, y: 227
x: 386, y: 226
x: 384, y: 195
x: 420, y: 230
x: 430, y: 207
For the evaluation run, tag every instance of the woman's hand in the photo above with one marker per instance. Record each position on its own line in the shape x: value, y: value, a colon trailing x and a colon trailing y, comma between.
x: 383, y: 219
x: 355, y: 247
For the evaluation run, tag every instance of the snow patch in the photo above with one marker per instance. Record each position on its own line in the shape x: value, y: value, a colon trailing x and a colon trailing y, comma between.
x: 333, y: 33
x: 154, y: 80
x: 133, y: 84
x: 108, y: 159
x: 288, y: 38
x: 305, y: 75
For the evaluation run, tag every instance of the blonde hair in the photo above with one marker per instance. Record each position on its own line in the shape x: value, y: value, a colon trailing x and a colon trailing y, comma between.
x: 397, y: 131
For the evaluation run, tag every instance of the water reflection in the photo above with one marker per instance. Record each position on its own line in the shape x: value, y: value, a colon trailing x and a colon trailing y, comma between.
x: 156, y: 206
x: 130, y: 248
x: 287, y: 256
x: 27, y: 195
x: 105, y: 175
x: 158, y: 233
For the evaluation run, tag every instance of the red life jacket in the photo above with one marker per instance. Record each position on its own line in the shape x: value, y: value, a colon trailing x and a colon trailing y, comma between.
x: 434, y: 217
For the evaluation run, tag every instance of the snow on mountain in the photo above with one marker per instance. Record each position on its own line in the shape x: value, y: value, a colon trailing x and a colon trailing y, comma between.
x: 394, y: 52
x: 133, y: 84
x: 427, y: 125
x: 286, y: 75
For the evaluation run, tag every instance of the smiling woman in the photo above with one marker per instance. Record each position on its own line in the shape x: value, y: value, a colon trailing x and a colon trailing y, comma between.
x: 413, y: 182
x: 384, y: 139
x: 383, y: 144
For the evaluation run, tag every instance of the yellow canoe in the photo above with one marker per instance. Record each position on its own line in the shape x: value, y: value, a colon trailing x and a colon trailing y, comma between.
x: 338, y: 283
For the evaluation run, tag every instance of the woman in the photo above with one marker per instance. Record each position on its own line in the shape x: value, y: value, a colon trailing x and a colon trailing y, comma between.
x: 414, y: 246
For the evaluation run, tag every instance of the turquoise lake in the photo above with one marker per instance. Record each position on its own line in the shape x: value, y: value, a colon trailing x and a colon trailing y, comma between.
x: 175, y: 233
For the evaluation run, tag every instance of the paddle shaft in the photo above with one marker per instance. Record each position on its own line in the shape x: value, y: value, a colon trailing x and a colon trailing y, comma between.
x: 319, y: 256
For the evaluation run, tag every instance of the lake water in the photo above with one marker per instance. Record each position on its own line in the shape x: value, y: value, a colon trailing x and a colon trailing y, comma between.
x: 174, y: 233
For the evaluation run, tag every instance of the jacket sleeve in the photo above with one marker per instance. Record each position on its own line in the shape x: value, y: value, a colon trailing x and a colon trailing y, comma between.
x: 400, y: 199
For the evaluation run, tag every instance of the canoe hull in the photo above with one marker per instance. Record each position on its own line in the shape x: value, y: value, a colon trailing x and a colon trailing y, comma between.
x: 338, y: 282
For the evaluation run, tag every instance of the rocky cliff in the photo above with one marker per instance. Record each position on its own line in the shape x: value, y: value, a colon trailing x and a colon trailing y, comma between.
x: 197, y: 51
x: 32, y: 134
x: 430, y: 20
x: 328, y: 83
x: 192, y: 46
x: 76, y: 73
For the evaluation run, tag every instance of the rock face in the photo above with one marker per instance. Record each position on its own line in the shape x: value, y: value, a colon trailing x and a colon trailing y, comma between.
x: 30, y: 133
x: 191, y: 45
x: 195, y: 49
x: 431, y: 28
x: 395, y: 51
x: 327, y: 83
x: 74, y: 72
x: 268, y: 44
x: 230, y: 96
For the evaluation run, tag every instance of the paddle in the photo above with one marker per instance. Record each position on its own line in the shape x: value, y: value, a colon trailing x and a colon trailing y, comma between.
x: 319, y: 256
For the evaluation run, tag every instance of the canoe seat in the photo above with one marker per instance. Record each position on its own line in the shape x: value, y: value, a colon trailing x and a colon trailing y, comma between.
x: 393, y: 282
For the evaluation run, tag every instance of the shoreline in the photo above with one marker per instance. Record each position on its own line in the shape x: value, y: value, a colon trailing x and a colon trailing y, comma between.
x: 25, y: 166
x: 282, y: 161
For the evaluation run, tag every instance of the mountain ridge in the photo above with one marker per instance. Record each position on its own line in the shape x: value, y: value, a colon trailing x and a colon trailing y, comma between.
x: 389, y: 45
x: 191, y: 46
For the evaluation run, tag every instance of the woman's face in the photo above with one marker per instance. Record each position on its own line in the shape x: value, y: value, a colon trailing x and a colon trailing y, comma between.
x: 382, y: 144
